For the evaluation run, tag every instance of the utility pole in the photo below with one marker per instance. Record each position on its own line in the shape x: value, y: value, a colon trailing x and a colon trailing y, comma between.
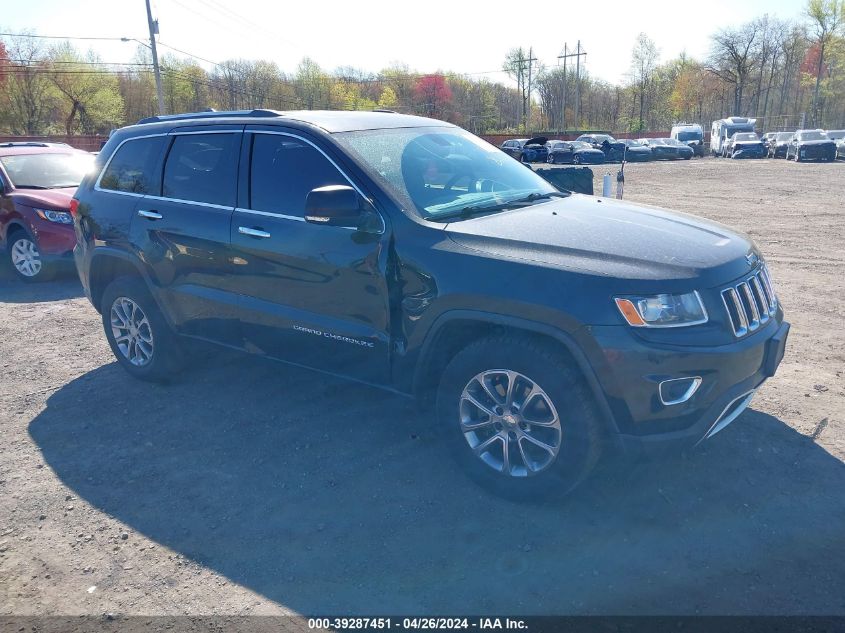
x: 577, y: 55
x: 153, y: 24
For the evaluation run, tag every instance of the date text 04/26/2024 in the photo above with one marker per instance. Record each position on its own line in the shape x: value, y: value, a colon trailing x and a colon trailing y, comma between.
x: 423, y: 623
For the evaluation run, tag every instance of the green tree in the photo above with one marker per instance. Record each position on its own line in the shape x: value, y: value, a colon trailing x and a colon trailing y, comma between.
x: 91, y: 99
x: 826, y: 19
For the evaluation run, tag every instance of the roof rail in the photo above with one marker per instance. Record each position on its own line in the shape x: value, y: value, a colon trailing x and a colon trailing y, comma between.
x: 28, y: 144
x: 209, y: 115
x: 384, y: 110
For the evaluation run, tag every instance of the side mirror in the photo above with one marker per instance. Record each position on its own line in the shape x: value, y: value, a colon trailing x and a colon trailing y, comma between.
x: 333, y: 205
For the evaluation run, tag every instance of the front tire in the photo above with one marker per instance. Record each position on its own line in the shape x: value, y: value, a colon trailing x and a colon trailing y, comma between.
x: 138, y: 334
x: 576, y: 160
x: 26, y: 259
x: 521, y: 421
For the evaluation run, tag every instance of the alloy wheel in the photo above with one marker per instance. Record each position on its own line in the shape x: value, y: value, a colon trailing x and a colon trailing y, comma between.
x: 25, y: 257
x: 131, y: 330
x: 510, y: 423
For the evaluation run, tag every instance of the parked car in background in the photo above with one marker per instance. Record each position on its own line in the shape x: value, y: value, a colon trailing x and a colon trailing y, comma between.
x: 776, y: 147
x: 835, y: 135
x: 840, y: 148
x: 659, y: 149
x: 636, y: 151
x: 613, y: 150
x: 810, y: 145
x: 691, y: 134
x: 684, y: 151
x: 527, y: 150
x: 838, y: 137
x: 326, y: 240
x: 574, y: 152
x: 37, y: 181
x: 767, y: 139
x: 745, y: 145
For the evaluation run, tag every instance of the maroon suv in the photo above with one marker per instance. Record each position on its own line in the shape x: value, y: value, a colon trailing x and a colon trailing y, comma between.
x: 37, y: 182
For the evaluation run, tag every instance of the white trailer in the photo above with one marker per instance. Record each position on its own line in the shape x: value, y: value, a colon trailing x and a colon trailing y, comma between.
x: 723, y: 129
x: 691, y: 134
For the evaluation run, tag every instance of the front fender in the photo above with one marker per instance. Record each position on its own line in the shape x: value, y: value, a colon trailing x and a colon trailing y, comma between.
x: 572, y: 341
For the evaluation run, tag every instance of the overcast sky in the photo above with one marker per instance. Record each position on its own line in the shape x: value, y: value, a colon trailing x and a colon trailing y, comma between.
x: 461, y: 36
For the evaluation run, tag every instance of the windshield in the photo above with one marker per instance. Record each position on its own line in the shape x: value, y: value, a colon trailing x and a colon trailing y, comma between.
x: 601, y: 138
x: 746, y: 137
x: 47, y: 171
x: 656, y: 141
x: 689, y: 136
x: 441, y: 171
x: 784, y: 136
x: 813, y: 135
x: 835, y: 134
x: 632, y: 143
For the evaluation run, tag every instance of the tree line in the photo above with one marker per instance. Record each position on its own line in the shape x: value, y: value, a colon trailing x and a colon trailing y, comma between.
x: 785, y: 73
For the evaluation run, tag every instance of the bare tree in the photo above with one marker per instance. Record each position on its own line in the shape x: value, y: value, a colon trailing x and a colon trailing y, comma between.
x: 643, y: 62
x: 732, y: 58
x: 28, y: 97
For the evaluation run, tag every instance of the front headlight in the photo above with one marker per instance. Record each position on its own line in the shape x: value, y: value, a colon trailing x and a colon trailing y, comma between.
x: 59, y: 217
x: 664, y: 310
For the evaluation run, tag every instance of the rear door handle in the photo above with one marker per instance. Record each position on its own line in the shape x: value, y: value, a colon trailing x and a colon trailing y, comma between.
x: 243, y: 230
x: 151, y: 215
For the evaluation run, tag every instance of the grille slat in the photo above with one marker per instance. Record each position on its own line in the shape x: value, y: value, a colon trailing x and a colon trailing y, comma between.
x: 750, y: 303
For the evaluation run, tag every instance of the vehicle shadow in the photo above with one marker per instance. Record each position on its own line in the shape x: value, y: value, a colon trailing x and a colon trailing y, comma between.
x: 331, y: 497
x: 65, y: 285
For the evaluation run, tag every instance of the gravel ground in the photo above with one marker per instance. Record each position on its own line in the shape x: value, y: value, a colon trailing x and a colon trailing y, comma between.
x: 251, y: 488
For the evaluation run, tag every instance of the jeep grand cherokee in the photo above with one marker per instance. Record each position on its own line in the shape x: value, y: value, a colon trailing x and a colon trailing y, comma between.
x: 409, y: 254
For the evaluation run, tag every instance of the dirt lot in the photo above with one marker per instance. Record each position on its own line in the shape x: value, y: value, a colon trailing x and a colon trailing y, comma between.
x: 251, y: 488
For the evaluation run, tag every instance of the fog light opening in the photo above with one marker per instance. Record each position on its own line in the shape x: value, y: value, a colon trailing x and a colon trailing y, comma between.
x: 678, y: 390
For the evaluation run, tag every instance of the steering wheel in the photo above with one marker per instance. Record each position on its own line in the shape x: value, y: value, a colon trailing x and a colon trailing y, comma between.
x: 473, y: 183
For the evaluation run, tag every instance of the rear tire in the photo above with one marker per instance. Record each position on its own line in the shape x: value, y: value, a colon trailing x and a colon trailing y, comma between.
x: 26, y: 259
x: 505, y: 392
x: 137, y: 332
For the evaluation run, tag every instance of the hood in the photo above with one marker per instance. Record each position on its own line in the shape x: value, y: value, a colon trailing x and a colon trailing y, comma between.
x: 50, y: 198
x: 607, y: 237
x: 537, y: 140
x: 822, y: 141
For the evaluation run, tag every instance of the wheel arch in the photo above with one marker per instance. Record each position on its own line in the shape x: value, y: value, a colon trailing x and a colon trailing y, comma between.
x: 455, y: 329
x: 13, y: 227
x: 106, y: 266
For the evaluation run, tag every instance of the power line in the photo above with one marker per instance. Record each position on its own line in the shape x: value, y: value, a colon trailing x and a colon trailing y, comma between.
x: 60, y: 37
x: 50, y: 62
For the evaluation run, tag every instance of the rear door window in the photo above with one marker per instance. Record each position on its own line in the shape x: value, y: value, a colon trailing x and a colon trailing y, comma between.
x: 202, y: 168
x: 283, y: 170
x: 132, y: 169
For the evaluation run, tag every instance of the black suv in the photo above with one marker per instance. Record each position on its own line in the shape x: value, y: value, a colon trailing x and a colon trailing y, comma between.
x: 409, y: 254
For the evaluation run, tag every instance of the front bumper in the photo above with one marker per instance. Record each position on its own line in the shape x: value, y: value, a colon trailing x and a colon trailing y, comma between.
x: 55, y: 241
x: 816, y: 152
x: 631, y: 370
x: 743, y: 152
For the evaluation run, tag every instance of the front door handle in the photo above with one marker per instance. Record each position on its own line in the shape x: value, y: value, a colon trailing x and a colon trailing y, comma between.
x: 151, y: 215
x: 243, y: 230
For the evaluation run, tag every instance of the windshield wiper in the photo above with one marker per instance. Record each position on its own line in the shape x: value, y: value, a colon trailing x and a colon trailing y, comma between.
x: 475, y: 209
x: 30, y: 187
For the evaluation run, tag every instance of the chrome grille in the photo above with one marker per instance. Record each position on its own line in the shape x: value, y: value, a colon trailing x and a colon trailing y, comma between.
x: 751, y: 302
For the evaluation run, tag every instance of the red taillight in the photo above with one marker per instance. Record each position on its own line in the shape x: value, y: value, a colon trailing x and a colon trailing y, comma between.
x: 74, y: 206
